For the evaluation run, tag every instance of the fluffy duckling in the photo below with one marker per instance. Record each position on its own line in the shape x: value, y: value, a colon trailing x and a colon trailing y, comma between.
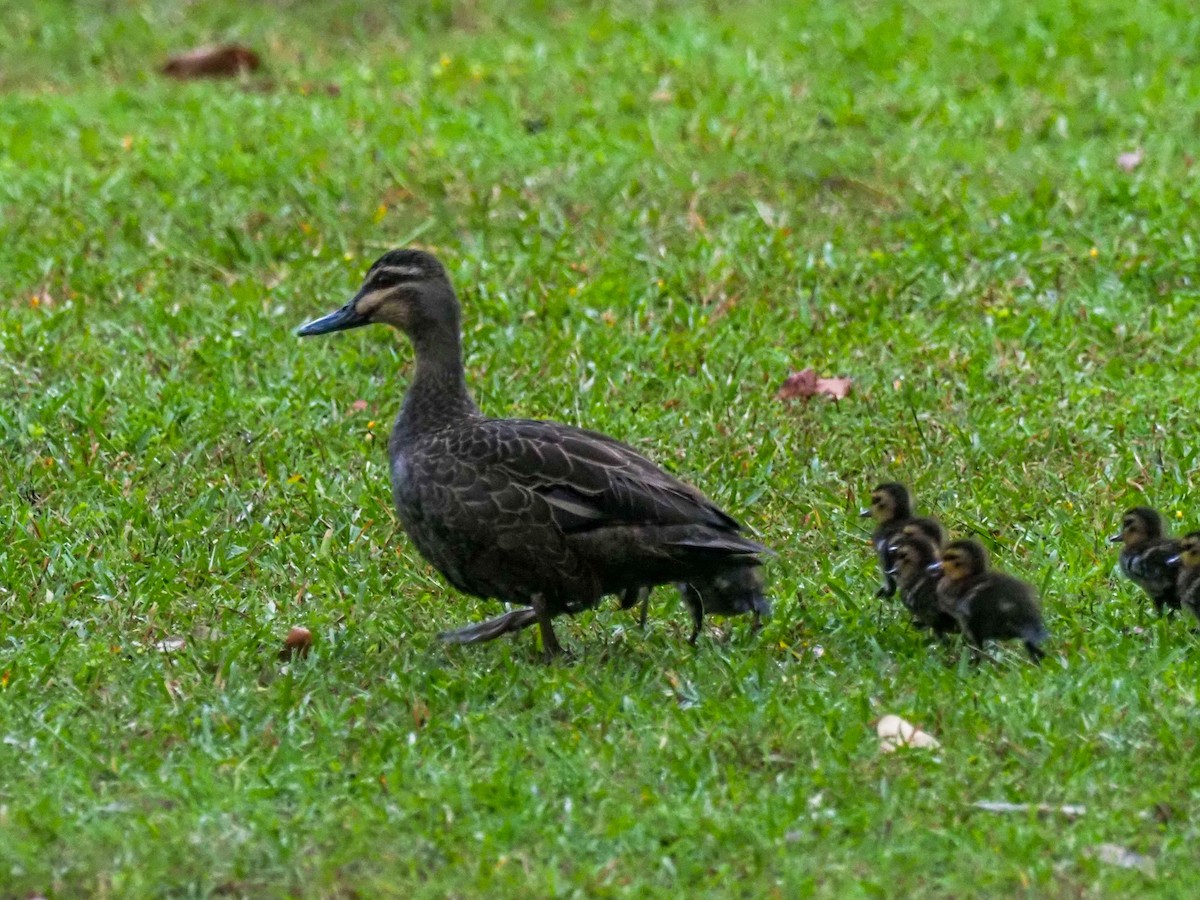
x: 891, y: 508
x: 988, y: 605
x: 1147, y: 554
x: 1189, y: 573
x: 925, y: 527
x: 913, y: 554
x: 728, y: 593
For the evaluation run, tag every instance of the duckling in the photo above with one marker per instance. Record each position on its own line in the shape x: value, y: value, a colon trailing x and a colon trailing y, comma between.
x: 545, y: 516
x: 913, y: 554
x: 1188, y: 584
x: 730, y: 593
x: 1146, y: 557
x: 891, y: 508
x: 988, y: 605
x: 925, y: 527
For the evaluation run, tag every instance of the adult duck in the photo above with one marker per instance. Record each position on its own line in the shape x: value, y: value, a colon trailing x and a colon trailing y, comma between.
x: 543, y: 515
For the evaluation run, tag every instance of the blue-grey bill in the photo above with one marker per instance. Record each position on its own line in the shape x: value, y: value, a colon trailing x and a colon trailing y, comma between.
x: 339, y: 320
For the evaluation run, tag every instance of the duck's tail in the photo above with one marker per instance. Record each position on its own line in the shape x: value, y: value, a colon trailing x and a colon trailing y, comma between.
x: 514, y: 620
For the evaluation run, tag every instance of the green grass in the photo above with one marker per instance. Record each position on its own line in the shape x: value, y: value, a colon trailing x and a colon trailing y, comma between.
x: 924, y: 197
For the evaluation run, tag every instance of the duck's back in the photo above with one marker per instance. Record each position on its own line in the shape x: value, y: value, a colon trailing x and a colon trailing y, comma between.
x: 1003, y: 607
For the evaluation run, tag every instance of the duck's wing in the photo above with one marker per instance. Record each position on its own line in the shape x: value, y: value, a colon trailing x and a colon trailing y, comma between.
x: 593, y: 481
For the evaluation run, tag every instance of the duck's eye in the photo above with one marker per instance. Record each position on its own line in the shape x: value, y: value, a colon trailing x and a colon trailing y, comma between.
x: 384, y: 280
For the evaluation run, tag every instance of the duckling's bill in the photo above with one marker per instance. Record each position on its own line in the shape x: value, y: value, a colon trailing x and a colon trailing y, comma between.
x: 340, y: 320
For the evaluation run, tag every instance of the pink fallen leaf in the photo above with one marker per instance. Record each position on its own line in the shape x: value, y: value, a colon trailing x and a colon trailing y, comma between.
x: 222, y: 61
x: 805, y: 384
x: 1130, y: 161
x: 358, y: 405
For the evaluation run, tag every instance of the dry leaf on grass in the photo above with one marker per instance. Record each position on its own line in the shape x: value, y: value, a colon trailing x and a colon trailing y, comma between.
x: 170, y: 645
x: 223, y: 61
x: 297, y: 643
x: 1130, y: 161
x: 805, y: 384
x: 1116, y: 855
x: 1070, y: 811
x: 420, y: 713
x: 894, y: 732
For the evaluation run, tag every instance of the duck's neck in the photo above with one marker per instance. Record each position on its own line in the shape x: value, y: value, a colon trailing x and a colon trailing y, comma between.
x: 438, y: 393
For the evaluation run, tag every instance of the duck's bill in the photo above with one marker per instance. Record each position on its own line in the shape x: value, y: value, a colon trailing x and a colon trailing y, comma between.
x: 863, y: 513
x: 934, y: 568
x: 1174, y: 560
x: 344, y: 318
x: 1115, y: 539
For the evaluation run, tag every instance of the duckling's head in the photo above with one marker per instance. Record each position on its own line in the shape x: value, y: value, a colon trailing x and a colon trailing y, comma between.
x: 1138, y: 525
x: 912, y: 554
x: 407, y: 289
x: 889, y: 502
x: 1190, y: 550
x: 963, y: 559
x: 927, y: 529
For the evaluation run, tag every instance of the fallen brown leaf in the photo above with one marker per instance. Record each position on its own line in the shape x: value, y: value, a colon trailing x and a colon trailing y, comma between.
x: 420, y: 713
x: 224, y: 61
x: 1130, y: 161
x: 805, y: 384
x: 297, y: 643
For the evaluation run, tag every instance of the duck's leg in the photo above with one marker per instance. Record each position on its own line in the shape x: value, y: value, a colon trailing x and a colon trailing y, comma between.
x: 695, y: 605
x: 644, y: 595
x: 513, y: 620
x: 550, y: 645
x: 697, y: 611
x: 756, y: 623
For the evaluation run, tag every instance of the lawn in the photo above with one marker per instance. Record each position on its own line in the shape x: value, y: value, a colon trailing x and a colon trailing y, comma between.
x: 653, y: 213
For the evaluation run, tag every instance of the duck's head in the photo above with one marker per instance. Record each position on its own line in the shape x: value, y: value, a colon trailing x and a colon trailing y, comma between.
x: 889, y: 501
x: 1189, y: 553
x: 961, y: 560
x: 927, y: 529
x: 912, y: 554
x: 1138, y: 525
x: 407, y: 289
